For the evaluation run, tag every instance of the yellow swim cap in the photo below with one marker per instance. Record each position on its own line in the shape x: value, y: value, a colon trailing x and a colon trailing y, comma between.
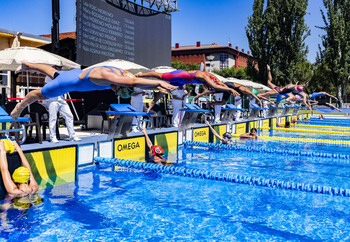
x: 9, y: 147
x: 21, y: 175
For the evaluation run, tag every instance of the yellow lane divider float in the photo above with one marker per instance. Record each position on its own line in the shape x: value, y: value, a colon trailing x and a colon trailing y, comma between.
x: 328, y: 141
x: 309, y: 131
x: 322, y: 126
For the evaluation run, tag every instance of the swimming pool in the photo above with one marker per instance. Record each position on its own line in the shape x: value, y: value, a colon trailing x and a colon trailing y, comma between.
x: 128, y: 204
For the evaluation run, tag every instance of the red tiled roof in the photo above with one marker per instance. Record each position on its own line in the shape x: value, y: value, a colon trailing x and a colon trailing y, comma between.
x: 72, y: 35
x: 201, y: 47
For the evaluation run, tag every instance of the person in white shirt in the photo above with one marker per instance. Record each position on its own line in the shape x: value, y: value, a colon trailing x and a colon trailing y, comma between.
x: 238, y: 104
x: 217, y: 107
x: 179, y: 97
x: 55, y: 105
x: 137, y: 102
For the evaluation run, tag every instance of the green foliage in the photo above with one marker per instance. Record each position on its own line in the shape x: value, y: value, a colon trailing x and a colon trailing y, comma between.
x: 179, y: 65
x: 276, y: 33
x: 333, y: 57
x: 239, y: 73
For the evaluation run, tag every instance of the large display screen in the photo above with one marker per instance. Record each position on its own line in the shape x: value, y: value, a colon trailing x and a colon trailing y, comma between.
x: 107, y: 32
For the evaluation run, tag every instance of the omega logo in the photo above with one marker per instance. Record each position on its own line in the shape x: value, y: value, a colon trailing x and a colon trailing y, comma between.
x: 128, y: 146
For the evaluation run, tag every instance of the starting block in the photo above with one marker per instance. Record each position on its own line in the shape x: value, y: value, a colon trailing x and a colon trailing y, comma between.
x: 190, y: 116
x: 296, y: 109
x: 230, y: 113
x: 254, y: 111
x: 123, y: 116
x: 273, y: 111
x: 18, y: 126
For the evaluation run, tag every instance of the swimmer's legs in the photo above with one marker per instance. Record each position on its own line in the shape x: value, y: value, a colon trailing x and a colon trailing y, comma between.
x: 332, y: 106
x: 42, y: 68
x: 29, y: 99
x: 150, y: 74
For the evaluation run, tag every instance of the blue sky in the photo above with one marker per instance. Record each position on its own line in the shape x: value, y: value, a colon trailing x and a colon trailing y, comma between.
x: 206, y: 21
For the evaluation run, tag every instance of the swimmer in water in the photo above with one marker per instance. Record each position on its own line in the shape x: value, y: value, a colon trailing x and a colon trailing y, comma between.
x: 286, y: 125
x: 95, y: 78
x: 22, y: 182
x: 251, y: 135
x: 155, y: 151
x: 226, y: 137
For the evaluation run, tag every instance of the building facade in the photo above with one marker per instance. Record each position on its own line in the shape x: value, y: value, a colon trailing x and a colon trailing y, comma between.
x: 213, y: 56
x: 10, y: 39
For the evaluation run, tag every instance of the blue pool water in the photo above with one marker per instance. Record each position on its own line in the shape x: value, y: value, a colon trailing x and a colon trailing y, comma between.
x: 126, y: 204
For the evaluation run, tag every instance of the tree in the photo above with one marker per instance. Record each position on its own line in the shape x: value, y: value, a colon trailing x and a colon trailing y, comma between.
x: 336, y: 44
x: 179, y: 65
x: 240, y: 73
x: 276, y: 34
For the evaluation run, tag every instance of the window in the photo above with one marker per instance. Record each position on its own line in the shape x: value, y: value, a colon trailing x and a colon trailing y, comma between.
x: 4, y: 78
x: 223, y: 60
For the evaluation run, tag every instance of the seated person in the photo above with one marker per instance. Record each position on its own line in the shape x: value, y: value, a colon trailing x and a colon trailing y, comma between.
x: 156, y: 152
x: 252, y: 134
x: 226, y: 137
x: 22, y: 182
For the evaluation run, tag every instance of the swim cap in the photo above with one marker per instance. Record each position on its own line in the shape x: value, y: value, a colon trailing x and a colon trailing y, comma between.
x: 9, y: 147
x: 297, y: 98
x: 294, y: 121
x: 157, y: 150
x: 227, y: 135
x: 254, y: 91
x: 21, y: 175
x: 300, y: 88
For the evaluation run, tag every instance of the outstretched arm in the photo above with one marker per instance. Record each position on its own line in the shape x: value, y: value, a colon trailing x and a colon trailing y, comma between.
x: 154, y: 101
x: 32, y: 182
x: 10, y: 186
x: 148, y: 141
x: 205, y: 92
x: 214, y: 132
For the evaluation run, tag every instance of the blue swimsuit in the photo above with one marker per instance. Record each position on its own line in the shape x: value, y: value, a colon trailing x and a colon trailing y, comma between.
x: 280, y: 96
x: 68, y: 81
x: 316, y: 94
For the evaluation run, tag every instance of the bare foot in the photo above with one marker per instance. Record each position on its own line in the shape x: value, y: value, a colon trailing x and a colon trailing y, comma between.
x: 138, y: 74
x: 15, y: 112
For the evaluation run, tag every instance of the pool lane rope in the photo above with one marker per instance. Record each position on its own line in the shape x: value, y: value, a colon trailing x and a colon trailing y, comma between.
x: 308, y: 131
x: 225, y: 177
x: 219, y: 146
x: 317, y: 141
x: 322, y: 126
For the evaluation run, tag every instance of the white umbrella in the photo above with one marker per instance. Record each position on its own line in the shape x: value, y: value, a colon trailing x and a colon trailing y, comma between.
x: 163, y: 69
x: 11, y: 58
x: 122, y: 64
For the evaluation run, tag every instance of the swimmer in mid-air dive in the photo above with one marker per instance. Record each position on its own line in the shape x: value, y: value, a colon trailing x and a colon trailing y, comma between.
x: 22, y: 182
x: 155, y: 151
x: 96, y: 78
x: 226, y: 137
x: 179, y: 78
x: 251, y: 135
x: 322, y: 102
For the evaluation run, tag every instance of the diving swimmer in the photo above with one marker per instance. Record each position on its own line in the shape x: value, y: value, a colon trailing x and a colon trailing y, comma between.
x: 179, y: 78
x: 96, y: 78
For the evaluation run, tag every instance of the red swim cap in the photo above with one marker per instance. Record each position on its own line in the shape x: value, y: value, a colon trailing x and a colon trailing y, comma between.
x: 157, y: 150
x: 294, y: 120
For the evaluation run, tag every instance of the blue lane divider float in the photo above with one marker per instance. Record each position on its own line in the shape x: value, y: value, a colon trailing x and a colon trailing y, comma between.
x: 219, y: 146
x: 226, y: 177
